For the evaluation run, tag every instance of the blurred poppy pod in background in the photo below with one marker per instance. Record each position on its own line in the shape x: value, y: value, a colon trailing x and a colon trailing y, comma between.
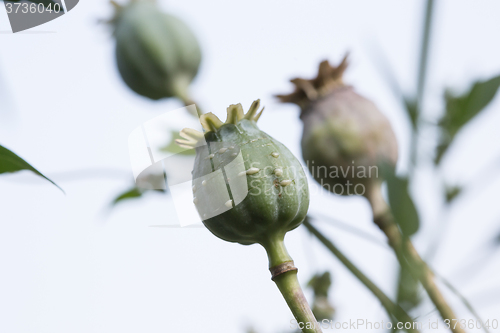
x: 157, y: 54
x: 345, y: 136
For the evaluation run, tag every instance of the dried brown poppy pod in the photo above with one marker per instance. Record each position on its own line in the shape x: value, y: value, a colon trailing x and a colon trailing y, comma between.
x: 345, y: 136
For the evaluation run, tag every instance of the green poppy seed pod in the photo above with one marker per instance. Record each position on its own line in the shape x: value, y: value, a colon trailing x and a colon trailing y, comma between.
x: 247, y: 187
x: 345, y: 136
x: 156, y: 53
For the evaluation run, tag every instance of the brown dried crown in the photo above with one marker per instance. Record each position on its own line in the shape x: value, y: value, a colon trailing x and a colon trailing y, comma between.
x: 328, y: 79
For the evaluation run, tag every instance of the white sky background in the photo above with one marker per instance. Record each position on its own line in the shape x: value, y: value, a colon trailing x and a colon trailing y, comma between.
x: 68, y: 264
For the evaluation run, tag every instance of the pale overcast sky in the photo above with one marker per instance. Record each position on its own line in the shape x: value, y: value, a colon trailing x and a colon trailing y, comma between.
x: 68, y: 264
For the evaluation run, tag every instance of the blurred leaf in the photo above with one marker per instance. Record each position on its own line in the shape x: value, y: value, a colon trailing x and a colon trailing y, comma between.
x: 411, y: 108
x: 320, y: 284
x: 461, y: 109
x: 402, y: 206
x: 408, y: 296
x: 452, y: 192
x: 10, y: 162
x: 321, y: 307
x: 172, y: 147
x: 132, y: 193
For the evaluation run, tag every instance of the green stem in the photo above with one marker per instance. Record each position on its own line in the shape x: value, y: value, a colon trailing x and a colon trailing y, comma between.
x: 422, y: 75
x: 464, y: 300
x: 409, y: 258
x: 181, y: 88
x: 407, y: 255
x: 187, y: 100
x: 393, y: 310
x: 424, y: 53
x: 289, y: 286
x: 276, y: 252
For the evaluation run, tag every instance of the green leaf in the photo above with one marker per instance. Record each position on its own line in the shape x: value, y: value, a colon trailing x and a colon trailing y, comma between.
x: 321, y: 307
x: 411, y: 108
x: 172, y: 147
x: 320, y: 284
x: 132, y: 193
x: 451, y: 192
x: 402, y: 206
x: 461, y: 109
x: 10, y: 162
